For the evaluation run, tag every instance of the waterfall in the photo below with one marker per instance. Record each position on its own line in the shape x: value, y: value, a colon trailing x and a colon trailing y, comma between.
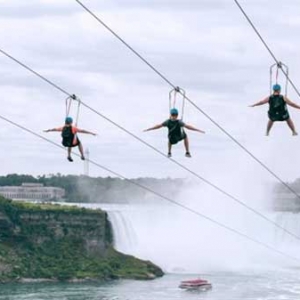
x: 179, y: 241
x: 125, y: 238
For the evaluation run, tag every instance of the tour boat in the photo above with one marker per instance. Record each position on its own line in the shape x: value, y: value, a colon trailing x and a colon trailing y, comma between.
x: 200, y: 284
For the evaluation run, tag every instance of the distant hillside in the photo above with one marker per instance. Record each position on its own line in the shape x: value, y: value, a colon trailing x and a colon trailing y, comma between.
x: 104, y: 190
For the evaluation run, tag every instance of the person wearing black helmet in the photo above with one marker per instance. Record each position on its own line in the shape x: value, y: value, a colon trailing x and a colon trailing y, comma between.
x: 176, y: 132
x: 69, y: 135
x: 278, y: 109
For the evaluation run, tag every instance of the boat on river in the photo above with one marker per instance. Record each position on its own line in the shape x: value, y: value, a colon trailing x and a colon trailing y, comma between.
x: 195, y: 284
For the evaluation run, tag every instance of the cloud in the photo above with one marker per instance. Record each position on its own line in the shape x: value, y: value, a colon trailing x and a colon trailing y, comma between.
x: 34, y: 9
x: 205, y: 47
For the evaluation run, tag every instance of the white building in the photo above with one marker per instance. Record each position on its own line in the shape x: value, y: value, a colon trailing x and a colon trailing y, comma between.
x: 32, y: 192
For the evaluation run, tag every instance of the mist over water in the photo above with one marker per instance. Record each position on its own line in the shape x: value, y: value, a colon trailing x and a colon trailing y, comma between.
x: 180, y: 241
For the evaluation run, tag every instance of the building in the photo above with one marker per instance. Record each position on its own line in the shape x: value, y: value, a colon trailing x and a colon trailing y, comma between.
x: 32, y: 192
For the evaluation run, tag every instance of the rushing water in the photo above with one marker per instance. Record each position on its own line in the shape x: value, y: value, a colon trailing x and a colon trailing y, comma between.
x: 282, y: 285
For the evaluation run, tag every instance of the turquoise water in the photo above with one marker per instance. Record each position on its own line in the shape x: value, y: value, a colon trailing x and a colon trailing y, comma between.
x: 279, y: 285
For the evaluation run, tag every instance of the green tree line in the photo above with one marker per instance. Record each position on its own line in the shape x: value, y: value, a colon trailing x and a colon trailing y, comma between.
x: 98, y: 189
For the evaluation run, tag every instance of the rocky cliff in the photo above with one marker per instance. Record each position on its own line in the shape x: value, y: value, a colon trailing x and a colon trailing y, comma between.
x: 62, y: 243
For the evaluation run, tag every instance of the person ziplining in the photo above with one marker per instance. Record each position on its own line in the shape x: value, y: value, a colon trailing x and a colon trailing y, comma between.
x: 70, y: 138
x: 278, y: 110
x: 69, y: 132
x: 176, y: 126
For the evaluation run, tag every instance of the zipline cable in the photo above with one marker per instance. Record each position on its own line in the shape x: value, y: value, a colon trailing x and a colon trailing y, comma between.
x: 35, y: 73
x: 266, y: 46
x: 127, y: 45
x: 193, y: 103
x: 158, y: 194
x: 155, y: 149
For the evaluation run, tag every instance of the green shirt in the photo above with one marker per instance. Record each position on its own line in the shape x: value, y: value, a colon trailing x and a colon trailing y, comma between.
x: 174, y: 127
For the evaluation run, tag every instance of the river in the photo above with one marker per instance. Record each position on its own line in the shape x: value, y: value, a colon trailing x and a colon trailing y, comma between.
x: 283, y: 285
x: 187, y: 247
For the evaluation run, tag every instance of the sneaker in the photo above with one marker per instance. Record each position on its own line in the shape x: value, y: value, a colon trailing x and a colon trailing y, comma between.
x: 169, y: 154
x: 82, y: 157
x: 188, y: 154
x: 70, y: 158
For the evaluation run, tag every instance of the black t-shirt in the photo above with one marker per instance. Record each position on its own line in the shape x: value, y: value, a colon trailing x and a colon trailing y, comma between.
x: 277, y: 108
x: 174, y: 127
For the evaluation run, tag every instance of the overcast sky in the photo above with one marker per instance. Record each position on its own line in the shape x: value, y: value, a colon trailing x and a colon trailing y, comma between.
x: 203, y: 46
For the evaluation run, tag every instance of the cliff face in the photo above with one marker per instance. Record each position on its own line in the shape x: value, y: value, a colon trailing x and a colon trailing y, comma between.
x: 51, y: 241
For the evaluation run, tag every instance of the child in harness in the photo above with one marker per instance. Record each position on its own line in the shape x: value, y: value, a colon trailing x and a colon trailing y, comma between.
x: 70, y: 138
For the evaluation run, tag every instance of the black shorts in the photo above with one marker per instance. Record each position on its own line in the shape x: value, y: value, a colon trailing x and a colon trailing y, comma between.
x: 77, y: 143
x: 174, y: 139
x: 274, y: 117
x: 70, y: 144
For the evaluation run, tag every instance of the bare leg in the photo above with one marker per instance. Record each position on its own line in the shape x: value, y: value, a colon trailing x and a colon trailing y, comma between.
x: 186, y: 144
x: 292, y: 126
x: 69, y: 154
x: 169, y: 149
x: 81, y: 151
x: 187, y: 148
x: 269, y: 126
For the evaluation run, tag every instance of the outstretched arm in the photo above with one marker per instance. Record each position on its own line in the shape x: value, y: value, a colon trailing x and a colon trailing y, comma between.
x: 262, y: 102
x: 154, y: 127
x: 193, y: 128
x: 85, y: 131
x: 289, y: 102
x: 53, y: 129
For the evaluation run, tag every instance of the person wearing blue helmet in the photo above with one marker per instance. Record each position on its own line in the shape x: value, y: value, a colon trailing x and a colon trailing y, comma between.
x: 70, y: 138
x: 176, y: 132
x: 278, y: 109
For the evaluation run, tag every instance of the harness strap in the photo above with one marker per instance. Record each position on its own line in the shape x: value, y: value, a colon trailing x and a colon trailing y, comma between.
x: 173, y: 99
x: 278, y: 66
x: 69, y: 102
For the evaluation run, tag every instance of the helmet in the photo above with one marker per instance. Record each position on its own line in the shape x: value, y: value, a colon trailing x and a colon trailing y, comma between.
x: 174, y: 111
x: 276, y: 87
x: 68, y: 120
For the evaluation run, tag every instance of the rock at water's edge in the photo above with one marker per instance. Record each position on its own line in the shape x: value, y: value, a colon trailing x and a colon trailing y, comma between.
x: 42, y: 242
